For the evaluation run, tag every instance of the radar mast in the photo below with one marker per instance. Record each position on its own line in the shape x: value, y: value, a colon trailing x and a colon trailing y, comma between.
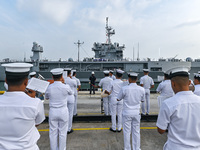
x: 109, y: 32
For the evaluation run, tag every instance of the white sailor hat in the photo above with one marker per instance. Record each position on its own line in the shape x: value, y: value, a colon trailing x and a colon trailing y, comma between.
x: 18, y: 68
x: 146, y: 70
x: 92, y: 72
x: 67, y: 69
x: 106, y: 72
x: 196, y: 75
x: 57, y: 71
x: 178, y: 71
x: 32, y: 73
x: 198, y: 72
x: 120, y: 71
x: 111, y: 71
x: 132, y: 74
x: 73, y: 70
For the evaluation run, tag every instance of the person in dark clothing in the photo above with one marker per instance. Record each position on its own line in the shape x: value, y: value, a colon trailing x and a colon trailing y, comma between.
x: 92, y: 83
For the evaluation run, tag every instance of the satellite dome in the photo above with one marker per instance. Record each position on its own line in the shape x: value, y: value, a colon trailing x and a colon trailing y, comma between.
x: 189, y: 59
x: 70, y: 59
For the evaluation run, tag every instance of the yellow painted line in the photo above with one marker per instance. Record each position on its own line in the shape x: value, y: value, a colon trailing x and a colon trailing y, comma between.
x: 2, y: 92
x: 82, y: 114
x: 41, y: 130
x: 148, y: 128
x: 87, y: 129
x: 92, y: 129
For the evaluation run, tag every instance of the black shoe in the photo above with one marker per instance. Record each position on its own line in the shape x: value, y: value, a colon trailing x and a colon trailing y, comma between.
x: 76, y: 115
x: 142, y: 114
x: 68, y: 132
x: 112, y: 130
x: 119, y: 130
x: 147, y: 114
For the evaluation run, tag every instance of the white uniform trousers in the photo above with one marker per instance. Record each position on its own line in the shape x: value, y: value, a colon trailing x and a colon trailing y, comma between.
x: 75, y: 104
x: 105, y: 105
x: 58, y: 124
x: 116, y: 108
x: 71, y: 109
x: 147, y: 101
x: 131, y: 124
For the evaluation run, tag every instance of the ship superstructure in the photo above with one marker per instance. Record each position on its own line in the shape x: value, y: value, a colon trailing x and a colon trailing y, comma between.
x: 108, y: 51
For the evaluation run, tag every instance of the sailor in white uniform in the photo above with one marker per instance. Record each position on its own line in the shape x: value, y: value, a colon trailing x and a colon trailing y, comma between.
x: 165, y: 89
x: 197, y: 84
x: 180, y: 114
x: 147, y: 82
x: 104, y: 83
x: 19, y: 113
x: 71, y: 98
x: 32, y: 75
x: 76, y: 90
x: 111, y: 75
x: 132, y: 96
x: 57, y: 93
x: 6, y: 86
x: 116, y: 106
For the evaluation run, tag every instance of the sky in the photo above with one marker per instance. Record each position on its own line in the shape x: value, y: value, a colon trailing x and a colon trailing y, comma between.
x: 163, y: 28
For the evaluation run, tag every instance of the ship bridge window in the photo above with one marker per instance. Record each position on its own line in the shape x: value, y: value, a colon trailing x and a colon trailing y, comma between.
x: 156, y: 69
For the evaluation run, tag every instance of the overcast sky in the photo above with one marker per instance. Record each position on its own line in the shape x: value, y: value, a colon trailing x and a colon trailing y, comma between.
x: 163, y: 28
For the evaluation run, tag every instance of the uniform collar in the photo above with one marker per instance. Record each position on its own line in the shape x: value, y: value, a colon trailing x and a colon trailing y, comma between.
x: 57, y: 82
x: 132, y: 84
x: 118, y: 79
x: 14, y: 93
x: 184, y: 93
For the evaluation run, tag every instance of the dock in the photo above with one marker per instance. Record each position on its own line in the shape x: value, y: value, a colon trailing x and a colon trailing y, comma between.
x: 90, y: 134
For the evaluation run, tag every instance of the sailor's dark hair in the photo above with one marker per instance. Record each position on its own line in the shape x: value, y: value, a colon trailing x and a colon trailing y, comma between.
x: 68, y: 72
x: 119, y: 74
x: 57, y: 77
x: 197, y: 78
x: 16, y: 79
x: 134, y: 78
x: 166, y: 75
x: 32, y: 75
x: 106, y: 74
x: 74, y: 73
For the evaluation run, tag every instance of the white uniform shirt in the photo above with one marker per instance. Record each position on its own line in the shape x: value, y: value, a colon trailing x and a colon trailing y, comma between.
x: 197, y: 89
x: 147, y: 81
x: 71, y: 82
x: 19, y: 113
x: 112, y: 77
x: 104, y: 83
x: 78, y: 83
x: 132, y: 96
x: 180, y: 114
x: 57, y: 93
x: 165, y: 88
x: 73, y: 85
x: 114, y: 87
x: 77, y: 80
x: 6, y: 86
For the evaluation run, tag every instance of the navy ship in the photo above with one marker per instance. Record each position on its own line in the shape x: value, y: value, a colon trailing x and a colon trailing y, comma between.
x: 108, y: 56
